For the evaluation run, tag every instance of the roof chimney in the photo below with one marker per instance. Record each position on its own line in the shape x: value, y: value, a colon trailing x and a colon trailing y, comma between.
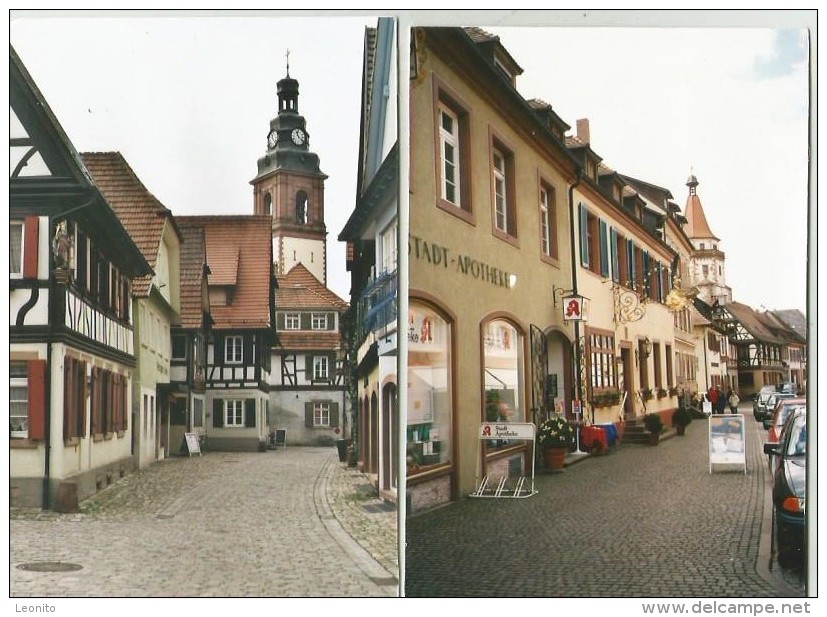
x: 583, y: 130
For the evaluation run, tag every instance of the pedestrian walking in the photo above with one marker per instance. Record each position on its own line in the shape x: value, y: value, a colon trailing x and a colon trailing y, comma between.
x: 721, y: 400
x: 733, y: 400
x: 712, y: 396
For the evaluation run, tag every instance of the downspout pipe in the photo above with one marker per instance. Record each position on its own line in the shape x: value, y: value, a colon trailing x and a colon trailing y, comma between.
x: 577, y: 359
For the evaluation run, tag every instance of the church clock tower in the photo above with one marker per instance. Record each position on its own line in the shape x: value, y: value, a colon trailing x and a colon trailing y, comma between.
x: 289, y: 187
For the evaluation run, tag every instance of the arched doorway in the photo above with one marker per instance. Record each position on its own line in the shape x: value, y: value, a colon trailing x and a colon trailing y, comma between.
x: 373, y: 459
x: 390, y: 437
x: 559, y: 373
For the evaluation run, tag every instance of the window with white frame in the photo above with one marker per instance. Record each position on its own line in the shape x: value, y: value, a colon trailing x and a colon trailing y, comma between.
x: 601, y: 358
x: 544, y: 230
x: 500, y: 197
x: 16, y: 249
x: 321, y: 414
x: 318, y: 321
x: 18, y: 401
x: 233, y: 348
x: 320, y: 368
x: 292, y: 321
x: 234, y: 413
x: 449, y: 154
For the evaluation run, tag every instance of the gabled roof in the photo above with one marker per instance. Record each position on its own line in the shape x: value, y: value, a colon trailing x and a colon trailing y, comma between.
x: 299, y: 289
x: 753, y: 322
x: 69, y: 187
x: 247, y: 239
x: 141, y: 214
x: 193, y: 280
x: 795, y: 320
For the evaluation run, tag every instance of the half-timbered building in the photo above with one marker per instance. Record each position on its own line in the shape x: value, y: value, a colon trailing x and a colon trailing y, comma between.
x: 156, y: 303
x: 241, y: 288
x: 308, y: 395
x: 72, y: 352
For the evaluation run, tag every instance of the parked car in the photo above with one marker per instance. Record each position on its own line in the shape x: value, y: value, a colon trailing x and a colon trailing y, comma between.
x: 759, y: 403
x: 789, y: 484
x: 772, y: 402
x: 780, y: 415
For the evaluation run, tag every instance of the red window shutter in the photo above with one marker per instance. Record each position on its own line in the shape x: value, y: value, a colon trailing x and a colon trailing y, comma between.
x: 37, y: 399
x: 30, y: 248
x: 81, y: 400
x: 68, y: 398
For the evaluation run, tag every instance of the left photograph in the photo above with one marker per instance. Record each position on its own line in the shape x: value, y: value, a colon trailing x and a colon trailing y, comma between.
x: 203, y: 246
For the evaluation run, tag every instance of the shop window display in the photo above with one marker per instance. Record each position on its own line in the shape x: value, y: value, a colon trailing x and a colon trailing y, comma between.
x: 503, y: 375
x: 428, y: 434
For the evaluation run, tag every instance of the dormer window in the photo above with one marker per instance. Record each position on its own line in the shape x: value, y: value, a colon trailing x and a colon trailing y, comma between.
x: 499, y: 64
x: 318, y: 321
x: 291, y: 321
x: 591, y: 169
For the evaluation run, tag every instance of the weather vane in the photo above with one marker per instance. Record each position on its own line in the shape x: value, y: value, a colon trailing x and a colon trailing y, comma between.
x: 287, y: 57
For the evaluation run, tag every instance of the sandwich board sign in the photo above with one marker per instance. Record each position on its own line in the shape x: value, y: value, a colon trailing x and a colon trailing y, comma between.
x: 503, y: 487
x: 727, y: 442
x: 193, y: 447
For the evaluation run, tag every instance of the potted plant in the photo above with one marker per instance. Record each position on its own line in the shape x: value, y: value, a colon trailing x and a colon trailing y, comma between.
x: 646, y: 394
x: 661, y: 392
x: 555, y: 437
x: 654, y: 425
x: 681, y: 419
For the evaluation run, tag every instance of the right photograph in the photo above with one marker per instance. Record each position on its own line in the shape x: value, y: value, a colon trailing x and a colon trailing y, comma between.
x: 607, y: 309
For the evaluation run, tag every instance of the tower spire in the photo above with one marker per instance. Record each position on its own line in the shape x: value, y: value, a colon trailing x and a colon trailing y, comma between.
x: 287, y: 59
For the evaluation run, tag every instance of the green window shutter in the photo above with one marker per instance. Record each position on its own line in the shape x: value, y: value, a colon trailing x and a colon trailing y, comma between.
x: 250, y: 412
x: 218, y: 413
x: 584, y: 236
x: 604, y: 249
x: 247, y: 349
x: 219, y: 349
x: 308, y: 367
x: 280, y: 321
x: 647, y: 276
x: 304, y: 320
x: 308, y: 415
x: 334, y: 414
x: 630, y: 256
x: 613, y: 251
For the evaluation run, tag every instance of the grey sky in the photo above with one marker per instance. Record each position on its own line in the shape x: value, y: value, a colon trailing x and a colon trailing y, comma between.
x: 188, y: 101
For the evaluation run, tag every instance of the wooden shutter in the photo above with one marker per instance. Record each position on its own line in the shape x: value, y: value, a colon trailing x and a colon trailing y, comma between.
x: 334, y: 414
x: 68, y: 398
x: 614, y: 252
x: 218, y: 413
x: 37, y: 399
x: 308, y: 415
x: 80, y: 398
x: 584, y: 236
x: 30, y: 246
x: 250, y: 412
x: 604, y: 249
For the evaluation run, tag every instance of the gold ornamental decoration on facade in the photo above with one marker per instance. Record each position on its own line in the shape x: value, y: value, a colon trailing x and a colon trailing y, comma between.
x: 629, y: 304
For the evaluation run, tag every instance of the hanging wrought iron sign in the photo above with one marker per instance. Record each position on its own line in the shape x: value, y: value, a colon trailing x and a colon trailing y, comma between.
x: 575, y: 308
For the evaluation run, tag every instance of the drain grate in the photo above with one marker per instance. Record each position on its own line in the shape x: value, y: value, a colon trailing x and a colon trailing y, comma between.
x: 49, y: 566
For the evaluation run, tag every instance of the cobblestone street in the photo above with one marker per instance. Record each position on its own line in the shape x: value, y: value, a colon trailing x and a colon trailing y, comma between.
x: 286, y: 523
x: 642, y: 521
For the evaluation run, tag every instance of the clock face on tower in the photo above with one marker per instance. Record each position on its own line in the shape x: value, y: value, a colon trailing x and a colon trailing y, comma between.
x: 272, y: 139
x: 298, y: 136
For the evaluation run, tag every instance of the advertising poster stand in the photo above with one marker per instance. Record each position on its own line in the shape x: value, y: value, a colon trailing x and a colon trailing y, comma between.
x: 505, y: 487
x: 727, y: 443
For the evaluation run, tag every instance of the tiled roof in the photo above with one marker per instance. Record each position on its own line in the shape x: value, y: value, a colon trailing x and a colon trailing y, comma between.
x: 141, y: 214
x: 478, y: 35
x: 753, y: 322
x: 795, y: 319
x: 304, y: 340
x: 247, y: 239
x: 572, y: 141
x: 193, y: 283
x: 299, y: 289
x: 696, y: 225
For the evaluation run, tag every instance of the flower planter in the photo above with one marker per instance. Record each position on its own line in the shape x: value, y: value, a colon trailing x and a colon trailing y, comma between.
x: 555, y: 458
